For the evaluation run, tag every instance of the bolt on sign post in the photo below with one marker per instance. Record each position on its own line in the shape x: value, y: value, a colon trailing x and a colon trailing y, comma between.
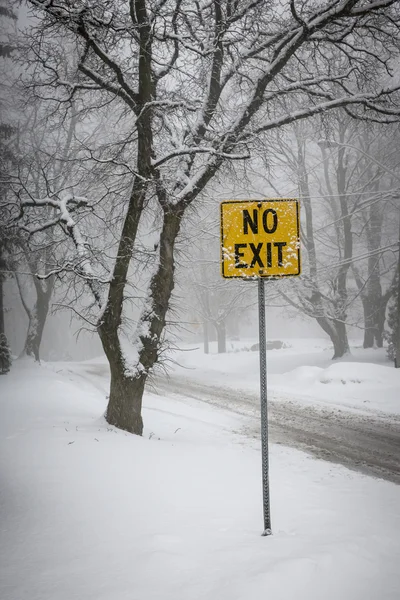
x: 260, y: 239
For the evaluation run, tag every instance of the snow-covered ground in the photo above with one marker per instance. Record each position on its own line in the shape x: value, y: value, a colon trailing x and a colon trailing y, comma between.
x: 303, y: 371
x: 92, y: 513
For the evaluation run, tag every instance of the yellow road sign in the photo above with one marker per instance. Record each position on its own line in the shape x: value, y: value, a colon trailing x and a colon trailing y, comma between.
x: 260, y: 238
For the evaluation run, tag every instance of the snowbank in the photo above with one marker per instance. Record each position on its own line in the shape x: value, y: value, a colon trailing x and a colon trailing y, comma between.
x: 360, y: 373
x: 364, y: 380
x: 346, y: 384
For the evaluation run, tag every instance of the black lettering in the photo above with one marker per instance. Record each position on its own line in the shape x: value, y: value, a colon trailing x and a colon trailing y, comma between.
x: 269, y: 254
x: 280, y: 245
x: 265, y: 221
x: 256, y: 255
x: 247, y: 221
x: 238, y: 256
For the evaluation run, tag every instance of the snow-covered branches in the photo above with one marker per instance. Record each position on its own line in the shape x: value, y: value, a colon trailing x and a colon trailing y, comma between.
x: 215, y: 67
x: 195, y: 86
x: 65, y: 206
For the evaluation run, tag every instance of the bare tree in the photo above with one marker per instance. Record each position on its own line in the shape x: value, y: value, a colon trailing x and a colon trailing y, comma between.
x: 350, y: 202
x: 217, y: 303
x: 373, y: 187
x: 210, y: 300
x: 45, y: 167
x: 367, y: 217
x: 199, y: 82
x: 328, y: 303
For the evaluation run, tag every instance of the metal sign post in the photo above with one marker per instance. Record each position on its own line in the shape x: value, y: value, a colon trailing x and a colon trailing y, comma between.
x: 260, y: 239
x: 264, y: 407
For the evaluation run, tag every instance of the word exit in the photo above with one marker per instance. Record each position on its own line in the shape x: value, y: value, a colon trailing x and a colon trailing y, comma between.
x: 260, y: 238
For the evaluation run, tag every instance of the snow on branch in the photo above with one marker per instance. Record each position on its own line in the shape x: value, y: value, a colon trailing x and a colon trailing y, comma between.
x: 186, y: 150
x: 309, y: 111
x: 65, y: 205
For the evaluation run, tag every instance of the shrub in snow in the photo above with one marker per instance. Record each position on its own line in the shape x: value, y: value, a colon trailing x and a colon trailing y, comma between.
x: 5, y: 355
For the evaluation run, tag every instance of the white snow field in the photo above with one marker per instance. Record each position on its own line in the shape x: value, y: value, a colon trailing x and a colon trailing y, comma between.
x: 89, y: 512
x: 364, y: 380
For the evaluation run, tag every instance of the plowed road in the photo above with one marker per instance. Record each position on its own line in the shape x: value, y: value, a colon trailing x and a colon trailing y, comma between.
x: 369, y: 443
x: 366, y: 443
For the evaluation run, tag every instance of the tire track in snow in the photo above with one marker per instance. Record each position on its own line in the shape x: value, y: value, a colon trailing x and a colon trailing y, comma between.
x: 366, y: 443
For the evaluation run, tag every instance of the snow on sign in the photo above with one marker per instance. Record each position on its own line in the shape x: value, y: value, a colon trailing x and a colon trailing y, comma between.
x: 260, y: 238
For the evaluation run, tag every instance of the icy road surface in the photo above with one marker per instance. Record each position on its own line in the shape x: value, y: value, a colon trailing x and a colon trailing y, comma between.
x: 367, y: 443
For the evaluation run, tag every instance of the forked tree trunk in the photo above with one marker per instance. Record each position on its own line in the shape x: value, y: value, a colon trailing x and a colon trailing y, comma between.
x: 37, y: 321
x: 337, y: 334
x: 122, y: 414
x: 37, y: 315
x: 128, y: 381
x: 126, y: 387
x: 124, y: 409
x: 340, y: 341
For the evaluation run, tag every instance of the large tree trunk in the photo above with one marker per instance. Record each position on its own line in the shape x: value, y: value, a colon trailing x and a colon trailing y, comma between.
x: 374, y: 322
x: 369, y: 332
x: 124, y: 409
x: 128, y: 380
x: 374, y: 308
x: 126, y: 387
x: 337, y: 334
x: 37, y: 321
x: 125, y: 399
x: 37, y: 315
x: 340, y: 341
